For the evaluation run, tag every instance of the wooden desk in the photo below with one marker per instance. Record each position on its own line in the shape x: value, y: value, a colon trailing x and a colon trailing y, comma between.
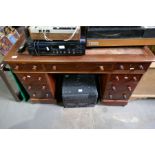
x: 119, y: 70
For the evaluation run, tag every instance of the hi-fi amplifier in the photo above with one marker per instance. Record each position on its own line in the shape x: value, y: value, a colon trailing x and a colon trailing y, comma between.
x: 56, y: 48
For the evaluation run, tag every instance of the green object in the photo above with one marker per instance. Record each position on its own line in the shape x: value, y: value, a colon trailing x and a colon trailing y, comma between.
x: 20, y: 87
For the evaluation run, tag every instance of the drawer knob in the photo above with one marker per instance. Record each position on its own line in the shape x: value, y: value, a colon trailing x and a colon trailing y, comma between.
x: 135, y: 78
x: 43, y: 87
x: 101, y: 68
x: 110, y: 96
x: 29, y: 87
x: 54, y: 67
x: 47, y: 95
x: 34, y: 95
x: 141, y: 67
x: 132, y: 68
x: 121, y: 67
x: 34, y: 67
x: 129, y: 88
x: 117, y: 78
x: 124, y: 96
x: 39, y: 78
x: 24, y: 78
x: 17, y: 67
x: 113, y: 88
x: 126, y: 77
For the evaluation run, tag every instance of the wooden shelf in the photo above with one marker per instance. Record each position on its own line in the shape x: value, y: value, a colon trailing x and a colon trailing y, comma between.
x: 152, y: 65
x: 145, y: 88
x: 121, y: 42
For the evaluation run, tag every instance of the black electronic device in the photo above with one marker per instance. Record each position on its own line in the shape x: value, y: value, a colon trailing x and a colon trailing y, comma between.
x: 149, y: 32
x: 56, y: 48
x: 109, y: 32
x: 79, y: 90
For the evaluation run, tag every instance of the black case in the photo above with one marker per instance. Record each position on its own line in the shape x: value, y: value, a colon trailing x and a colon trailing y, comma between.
x: 113, y: 32
x: 79, y: 91
x: 53, y: 47
x: 149, y: 32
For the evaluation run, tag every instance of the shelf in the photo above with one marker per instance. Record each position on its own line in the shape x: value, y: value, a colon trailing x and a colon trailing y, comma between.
x: 121, y: 42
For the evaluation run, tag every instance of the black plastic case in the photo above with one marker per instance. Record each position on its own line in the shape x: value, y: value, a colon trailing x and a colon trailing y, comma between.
x: 79, y: 91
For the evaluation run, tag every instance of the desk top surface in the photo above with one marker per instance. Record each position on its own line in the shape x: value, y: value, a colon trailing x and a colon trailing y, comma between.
x: 106, y: 54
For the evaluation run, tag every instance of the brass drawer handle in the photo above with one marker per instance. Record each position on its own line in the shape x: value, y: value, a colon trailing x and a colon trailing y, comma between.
x: 54, y: 67
x: 121, y: 67
x: 135, y: 78
x: 113, y: 88
x: 17, y: 67
x: 132, y: 68
x: 110, y: 96
x: 129, y: 88
x: 101, y: 68
x: 24, y: 78
x: 126, y: 77
x: 124, y: 96
x: 141, y: 67
x: 47, y: 95
x: 43, y: 87
x: 29, y: 87
x: 117, y: 78
x: 39, y: 78
x: 34, y: 67
x: 34, y: 94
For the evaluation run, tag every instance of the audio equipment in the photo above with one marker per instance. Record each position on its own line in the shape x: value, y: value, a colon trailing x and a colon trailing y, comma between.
x: 51, y: 33
x: 108, y: 32
x: 56, y: 48
x: 120, y: 35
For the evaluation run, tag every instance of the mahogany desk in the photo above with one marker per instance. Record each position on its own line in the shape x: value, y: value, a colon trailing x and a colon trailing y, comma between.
x: 119, y: 69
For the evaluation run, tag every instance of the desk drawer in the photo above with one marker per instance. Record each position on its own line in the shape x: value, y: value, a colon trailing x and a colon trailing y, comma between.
x: 119, y: 91
x: 38, y: 85
x: 26, y: 67
x: 120, y: 86
x: 30, y: 78
x: 111, y: 95
x: 34, y: 87
x: 40, y: 94
x: 83, y: 67
x: 132, y: 67
x: 124, y: 78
